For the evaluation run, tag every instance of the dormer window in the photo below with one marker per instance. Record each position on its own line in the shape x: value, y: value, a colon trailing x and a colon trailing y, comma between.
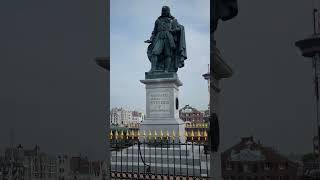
x: 267, y: 166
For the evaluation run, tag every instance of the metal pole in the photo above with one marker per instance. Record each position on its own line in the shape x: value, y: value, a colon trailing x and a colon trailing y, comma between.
x: 213, y: 13
x: 316, y: 60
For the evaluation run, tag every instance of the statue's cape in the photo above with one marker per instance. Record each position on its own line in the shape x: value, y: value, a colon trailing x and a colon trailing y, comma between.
x: 181, y: 53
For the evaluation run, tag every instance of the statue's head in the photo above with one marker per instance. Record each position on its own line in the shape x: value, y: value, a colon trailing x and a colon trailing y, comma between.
x: 165, y: 11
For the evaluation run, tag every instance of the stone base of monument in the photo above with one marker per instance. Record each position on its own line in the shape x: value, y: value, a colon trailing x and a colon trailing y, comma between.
x: 157, y: 75
x: 162, y: 107
x: 180, y: 160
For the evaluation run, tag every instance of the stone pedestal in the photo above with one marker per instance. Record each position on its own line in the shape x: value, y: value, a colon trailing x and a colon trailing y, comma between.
x: 162, y: 107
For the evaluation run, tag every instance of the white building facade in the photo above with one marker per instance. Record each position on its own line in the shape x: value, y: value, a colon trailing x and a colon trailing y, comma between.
x: 122, y: 117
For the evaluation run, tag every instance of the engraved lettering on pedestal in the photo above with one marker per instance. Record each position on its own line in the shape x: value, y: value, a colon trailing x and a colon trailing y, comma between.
x: 159, y: 103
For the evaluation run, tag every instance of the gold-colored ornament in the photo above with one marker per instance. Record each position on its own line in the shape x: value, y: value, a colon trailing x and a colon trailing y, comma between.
x: 173, y: 134
x: 150, y: 135
x: 192, y: 135
x: 116, y: 134
x: 199, y: 135
x: 205, y: 135
x: 111, y: 134
x: 155, y: 134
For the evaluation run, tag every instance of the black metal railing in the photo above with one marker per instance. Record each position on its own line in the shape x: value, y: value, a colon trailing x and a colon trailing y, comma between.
x: 153, y: 156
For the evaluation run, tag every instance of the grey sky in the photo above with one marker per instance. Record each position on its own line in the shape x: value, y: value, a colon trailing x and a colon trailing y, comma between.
x: 271, y: 94
x: 132, y: 23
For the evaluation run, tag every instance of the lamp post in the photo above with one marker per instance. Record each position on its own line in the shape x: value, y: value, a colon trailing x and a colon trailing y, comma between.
x: 219, y: 10
x: 206, y: 76
x: 103, y: 62
x: 310, y: 48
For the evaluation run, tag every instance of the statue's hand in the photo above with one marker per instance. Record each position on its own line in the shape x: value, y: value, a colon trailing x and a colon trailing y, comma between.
x: 148, y: 41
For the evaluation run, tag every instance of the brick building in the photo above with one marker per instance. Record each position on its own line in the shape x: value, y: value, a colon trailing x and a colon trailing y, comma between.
x: 190, y: 114
x: 249, y: 160
x: 81, y: 168
x: 63, y: 167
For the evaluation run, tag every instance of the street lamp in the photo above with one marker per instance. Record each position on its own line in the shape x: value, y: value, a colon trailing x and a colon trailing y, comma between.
x: 103, y: 62
x: 310, y: 48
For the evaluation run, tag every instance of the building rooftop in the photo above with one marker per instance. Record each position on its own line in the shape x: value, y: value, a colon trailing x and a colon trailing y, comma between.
x: 250, y: 150
x: 188, y: 109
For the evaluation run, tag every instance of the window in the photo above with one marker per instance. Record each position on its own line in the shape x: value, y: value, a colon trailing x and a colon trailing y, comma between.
x: 282, y: 166
x: 254, y: 168
x: 245, y: 168
x: 267, y: 166
x: 240, y: 168
x: 229, y: 166
x: 229, y: 178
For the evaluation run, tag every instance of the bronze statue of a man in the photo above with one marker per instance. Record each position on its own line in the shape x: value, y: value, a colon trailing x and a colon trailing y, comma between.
x: 167, y: 49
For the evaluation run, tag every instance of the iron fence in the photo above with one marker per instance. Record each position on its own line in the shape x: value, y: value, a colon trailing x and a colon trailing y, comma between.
x: 136, y: 155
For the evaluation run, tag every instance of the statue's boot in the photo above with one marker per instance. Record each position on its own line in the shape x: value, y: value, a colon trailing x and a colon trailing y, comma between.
x: 167, y: 65
x: 153, y: 64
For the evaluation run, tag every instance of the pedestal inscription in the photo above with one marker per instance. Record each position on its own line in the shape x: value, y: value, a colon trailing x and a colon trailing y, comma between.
x: 159, y: 103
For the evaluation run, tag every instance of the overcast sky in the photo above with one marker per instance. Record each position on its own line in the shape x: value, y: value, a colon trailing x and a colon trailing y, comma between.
x: 271, y: 94
x: 132, y: 23
x: 54, y: 95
